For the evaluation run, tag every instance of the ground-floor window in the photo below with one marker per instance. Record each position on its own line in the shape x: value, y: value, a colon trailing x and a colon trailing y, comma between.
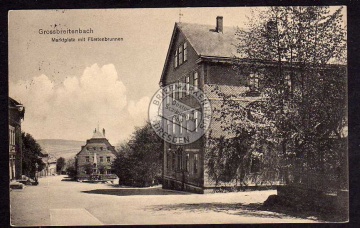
x: 187, y: 162
x: 168, y: 160
x: 173, y: 161
x: 255, y: 165
x: 179, y: 161
x: 196, y: 158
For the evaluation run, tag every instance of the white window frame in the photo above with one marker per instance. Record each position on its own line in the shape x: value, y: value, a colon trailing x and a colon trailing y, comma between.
x: 180, y: 91
x: 254, y: 80
x: 176, y: 58
x: 174, y: 92
x: 187, y: 122
x: 196, y: 158
x: 287, y: 81
x: 196, y: 80
x: 185, y: 51
x: 181, y: 124
x: 181, y: 55
x: 174, y: 125
x: 196, y: 120
x: 187, y: 81
x: 187, y: 162
x: 168, y: 126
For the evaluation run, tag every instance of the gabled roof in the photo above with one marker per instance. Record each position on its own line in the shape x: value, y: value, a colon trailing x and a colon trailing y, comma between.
x: 208, y: 42
x: 205, y: 40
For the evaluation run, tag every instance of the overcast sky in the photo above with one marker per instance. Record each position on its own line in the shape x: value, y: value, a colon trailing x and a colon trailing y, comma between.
x: 67, y: 88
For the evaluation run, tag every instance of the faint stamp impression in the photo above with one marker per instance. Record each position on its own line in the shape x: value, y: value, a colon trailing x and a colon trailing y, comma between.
x: 180, y: 113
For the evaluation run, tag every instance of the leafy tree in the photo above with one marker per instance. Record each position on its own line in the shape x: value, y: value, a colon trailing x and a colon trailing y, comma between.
x: 32, y: 153
x: 139, y: 162
x: 60, y: 164
x: 303, y: 98
x: 70, y: 168
x: 88, y: 168
x: 123, y: 164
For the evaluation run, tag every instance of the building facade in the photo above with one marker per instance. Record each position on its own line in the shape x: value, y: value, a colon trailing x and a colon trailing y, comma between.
x: 16, y: 115
x: 203, y: 56
x: 95, y: 157
x: 50, y: 165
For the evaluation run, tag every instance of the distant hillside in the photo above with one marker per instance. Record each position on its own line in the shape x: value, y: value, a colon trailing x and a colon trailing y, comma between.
x: 61, y: 147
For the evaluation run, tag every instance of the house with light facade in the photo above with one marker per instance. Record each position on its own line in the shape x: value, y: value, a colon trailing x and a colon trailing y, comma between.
x: 95, y: 157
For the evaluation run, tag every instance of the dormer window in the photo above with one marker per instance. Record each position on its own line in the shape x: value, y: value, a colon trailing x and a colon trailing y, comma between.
x: 180, y: 54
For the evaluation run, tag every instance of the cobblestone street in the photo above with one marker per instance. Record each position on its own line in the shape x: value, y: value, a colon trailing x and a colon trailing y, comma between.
x: 57, y: 202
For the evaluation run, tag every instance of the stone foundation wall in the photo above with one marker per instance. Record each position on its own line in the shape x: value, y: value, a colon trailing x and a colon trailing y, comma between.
x: 179, y: 186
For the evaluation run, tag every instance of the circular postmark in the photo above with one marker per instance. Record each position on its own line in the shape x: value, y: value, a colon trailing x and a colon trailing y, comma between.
x: 180, y: 113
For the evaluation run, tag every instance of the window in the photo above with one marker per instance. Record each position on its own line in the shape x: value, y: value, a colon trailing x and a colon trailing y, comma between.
x: 196, y: 80
x: 108, y: 159
x: 196, y: 158
x: 94, y: 148
x: 180, y: 91
x: 254, y: 81
x: 187, y: 162
x: 187, y: 81
x: 196, y: 120
x: 173, y: 161
x: 187, y: 122
x: 185, y: 51
x: 168, y: 129
x: 173, y: 92
x: 167, y: 160
x: 174, y: 125
x: 87, y: 158
x: 168, y: 98
x: 101, y: 159
x: 180, y: 55
x: 176, y: 58
x: 288, y: 81
x: 179, y: 161
x: 12, y: 135
x: 181, y: 124
x: 88, y: 148
x: 101, y: 148
x: 255, y: 165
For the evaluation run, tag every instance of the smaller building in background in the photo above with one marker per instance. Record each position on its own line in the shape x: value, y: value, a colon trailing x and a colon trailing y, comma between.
x: 50, y: 165
x: 95, y: 158
x: 16, y: 115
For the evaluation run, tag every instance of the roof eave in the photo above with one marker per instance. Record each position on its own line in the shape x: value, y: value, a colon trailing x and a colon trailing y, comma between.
x: 168, y: 54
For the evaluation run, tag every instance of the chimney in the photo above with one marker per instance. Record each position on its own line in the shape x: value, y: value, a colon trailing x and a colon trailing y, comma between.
x: 104, y: 132
x: 219, y: 24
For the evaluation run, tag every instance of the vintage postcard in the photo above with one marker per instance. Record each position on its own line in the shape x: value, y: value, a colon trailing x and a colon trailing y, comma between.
x: 178, y: 116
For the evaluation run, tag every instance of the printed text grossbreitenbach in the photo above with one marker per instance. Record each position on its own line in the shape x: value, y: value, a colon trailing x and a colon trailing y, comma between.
x: 75, y: 31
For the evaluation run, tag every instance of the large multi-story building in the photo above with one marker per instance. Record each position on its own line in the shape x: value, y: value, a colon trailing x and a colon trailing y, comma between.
x: 95, y: 157
x: 16, y: 115
x: 203, y: 56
